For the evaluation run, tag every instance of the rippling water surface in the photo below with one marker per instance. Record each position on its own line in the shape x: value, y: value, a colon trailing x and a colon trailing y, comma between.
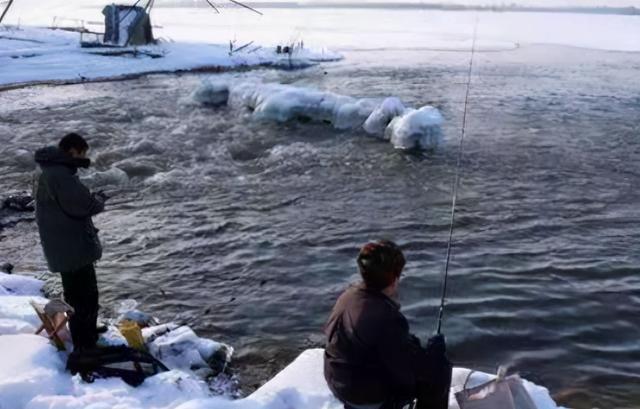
x: 249, y: 230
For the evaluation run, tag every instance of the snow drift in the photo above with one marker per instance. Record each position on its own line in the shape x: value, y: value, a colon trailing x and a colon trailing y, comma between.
x: 33, y: 376
x: 405, y: 128
x: 32, y: 55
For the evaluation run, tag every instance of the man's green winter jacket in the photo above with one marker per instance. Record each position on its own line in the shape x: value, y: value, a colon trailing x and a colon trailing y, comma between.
x: 64, y: 207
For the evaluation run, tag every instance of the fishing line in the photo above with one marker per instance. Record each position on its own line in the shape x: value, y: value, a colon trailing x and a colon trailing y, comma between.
x: 456, y: 183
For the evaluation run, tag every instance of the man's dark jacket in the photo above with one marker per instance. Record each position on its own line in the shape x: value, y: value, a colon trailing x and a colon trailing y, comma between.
x: 370, y: 356
x: 64, y: 207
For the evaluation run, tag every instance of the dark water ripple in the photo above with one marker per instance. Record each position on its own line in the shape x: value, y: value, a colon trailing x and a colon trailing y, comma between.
x: 248, y: 231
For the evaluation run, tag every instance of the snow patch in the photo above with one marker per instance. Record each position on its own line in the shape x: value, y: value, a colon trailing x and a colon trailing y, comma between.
x: 32, y: 54
x: 10, y: 326
x: 18, y: 308
x: 31, y: 366
x: 13, y: 284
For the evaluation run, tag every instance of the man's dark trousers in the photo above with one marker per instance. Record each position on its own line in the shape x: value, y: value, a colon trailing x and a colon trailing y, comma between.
x: 81, y: 292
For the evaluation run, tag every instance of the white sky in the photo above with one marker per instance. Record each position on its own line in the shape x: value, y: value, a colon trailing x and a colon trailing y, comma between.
x: 42, y: 12
x: 550, y: 3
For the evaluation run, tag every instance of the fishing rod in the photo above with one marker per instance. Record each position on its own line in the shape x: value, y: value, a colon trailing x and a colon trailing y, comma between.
x: 213, y: 6
x: 246, y: 7
x: 6, y: 9
x: 456, y: 183
x: 121, y: 19
x: 117, y: 197
x: 236, y: 3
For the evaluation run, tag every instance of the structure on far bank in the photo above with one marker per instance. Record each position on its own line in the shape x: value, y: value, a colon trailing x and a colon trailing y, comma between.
x: 127, y: 25
x: 124, y: 25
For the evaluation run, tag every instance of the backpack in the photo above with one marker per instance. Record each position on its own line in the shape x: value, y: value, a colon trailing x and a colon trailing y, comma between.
x: 504, y: 392
x: 131, y: 365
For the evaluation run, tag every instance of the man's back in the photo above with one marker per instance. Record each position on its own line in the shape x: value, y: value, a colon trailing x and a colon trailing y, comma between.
x: 64, y: 207
x: 369, y: 355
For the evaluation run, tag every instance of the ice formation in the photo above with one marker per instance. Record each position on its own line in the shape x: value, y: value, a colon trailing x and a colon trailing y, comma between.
x: 281, y: 103
x: 380, y: 118
x: 415, y: 128
x: 212, y: 94
x: 406, y: 128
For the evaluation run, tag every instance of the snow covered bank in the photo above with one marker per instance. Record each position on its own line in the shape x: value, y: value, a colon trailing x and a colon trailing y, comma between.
x: 387, y: 119
x: 32, y: 375
x: 32, y: 55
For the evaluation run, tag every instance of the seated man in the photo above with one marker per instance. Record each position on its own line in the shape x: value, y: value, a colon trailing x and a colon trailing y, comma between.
x: 371, y: 360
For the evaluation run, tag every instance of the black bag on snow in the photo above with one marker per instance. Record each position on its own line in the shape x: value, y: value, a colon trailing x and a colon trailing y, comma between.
x: 131, y: 365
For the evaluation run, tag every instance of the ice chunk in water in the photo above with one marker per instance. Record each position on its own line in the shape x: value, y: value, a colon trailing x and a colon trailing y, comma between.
x: 416, y: 129
x: 211, y: 93
x: 111, y: 177
x: 351, y: 115
x: 283, y: 104
x: 244, y: 94
x: 377, y: 122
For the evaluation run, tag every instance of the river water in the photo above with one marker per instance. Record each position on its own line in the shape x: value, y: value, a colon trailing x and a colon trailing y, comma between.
x: 249, y: 231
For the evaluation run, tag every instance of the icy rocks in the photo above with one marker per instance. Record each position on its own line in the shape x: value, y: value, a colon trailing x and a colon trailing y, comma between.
x: 281, y: 103
x: 181, y: 348
x: 416, y: 128
x: 19, y: 202
x: 352, y: 114
x: 405, y: 128
x: 377, y: 122
x: 15, y: 208
x: 211, y: 93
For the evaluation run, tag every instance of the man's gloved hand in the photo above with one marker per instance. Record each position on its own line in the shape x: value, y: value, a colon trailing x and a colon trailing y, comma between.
x: 415, y: 341
x: 436, y: 345
x: 100, y: 194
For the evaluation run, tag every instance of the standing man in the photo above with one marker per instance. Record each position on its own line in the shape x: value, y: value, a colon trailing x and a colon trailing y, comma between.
x: 64, y: 207
x: 371, y: 360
